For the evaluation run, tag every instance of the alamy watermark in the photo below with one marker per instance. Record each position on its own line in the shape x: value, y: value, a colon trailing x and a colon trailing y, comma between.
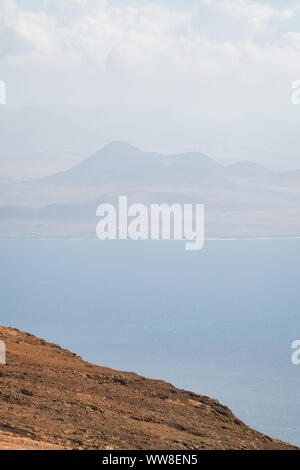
x: 158, y: 222
x: 296, y: 354
x: 295, y: 97
x: 2, y: 353
x: 2, y: 92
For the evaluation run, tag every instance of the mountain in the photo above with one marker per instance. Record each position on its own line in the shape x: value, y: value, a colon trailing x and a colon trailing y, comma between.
x: 51, y: 397
x: 243, y: 199
x: 122, y: 164
x: 248, y: 170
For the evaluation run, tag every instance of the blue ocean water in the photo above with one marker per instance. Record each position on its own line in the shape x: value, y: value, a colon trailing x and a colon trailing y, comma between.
x: 219, y: 322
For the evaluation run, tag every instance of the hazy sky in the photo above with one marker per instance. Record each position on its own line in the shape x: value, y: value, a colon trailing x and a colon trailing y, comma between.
x: 142, y: 63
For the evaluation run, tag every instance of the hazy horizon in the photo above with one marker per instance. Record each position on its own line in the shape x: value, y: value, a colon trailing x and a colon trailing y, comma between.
x: 212, y: 76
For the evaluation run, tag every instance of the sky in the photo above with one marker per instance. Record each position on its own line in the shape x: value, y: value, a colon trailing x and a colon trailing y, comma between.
x: 156, y: 72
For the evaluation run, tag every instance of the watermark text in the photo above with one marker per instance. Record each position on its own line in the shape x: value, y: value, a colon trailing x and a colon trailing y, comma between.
x: 2, y: 92
x: 295, y: 97
x: 2, y: 353
x: 159, y: 222
x: 296, y: 354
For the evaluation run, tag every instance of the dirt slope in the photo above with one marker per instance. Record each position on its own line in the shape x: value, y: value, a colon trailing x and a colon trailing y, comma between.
x: 50, y: 397
x: 13, y: 441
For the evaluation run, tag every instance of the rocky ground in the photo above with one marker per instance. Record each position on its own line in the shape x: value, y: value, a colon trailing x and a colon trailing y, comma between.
x: 50, y: 398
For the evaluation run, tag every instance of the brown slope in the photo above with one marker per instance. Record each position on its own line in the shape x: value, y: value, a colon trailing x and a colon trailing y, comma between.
x: 52, y: 396
x: 13, y: 441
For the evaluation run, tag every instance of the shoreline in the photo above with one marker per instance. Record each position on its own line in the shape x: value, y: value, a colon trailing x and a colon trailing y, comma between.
x: 24, y: 237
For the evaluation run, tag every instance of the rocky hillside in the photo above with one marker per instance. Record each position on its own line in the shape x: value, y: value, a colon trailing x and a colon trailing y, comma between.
x: 50, y: 398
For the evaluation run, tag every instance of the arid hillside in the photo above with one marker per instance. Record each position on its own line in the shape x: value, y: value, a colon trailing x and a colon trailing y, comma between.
x: 50, y: 399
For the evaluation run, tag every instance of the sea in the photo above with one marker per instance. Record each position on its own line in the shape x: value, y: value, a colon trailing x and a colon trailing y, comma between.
x: 219, y: 322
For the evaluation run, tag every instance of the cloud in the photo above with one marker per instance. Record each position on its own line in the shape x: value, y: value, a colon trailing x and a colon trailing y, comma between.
x: 256, y: 13
x: 291, y: 40
x: 68, y: 34
x: 157, y: 53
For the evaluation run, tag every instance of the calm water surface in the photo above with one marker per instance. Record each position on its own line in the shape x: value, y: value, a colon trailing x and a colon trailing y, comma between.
x: 219, y: 322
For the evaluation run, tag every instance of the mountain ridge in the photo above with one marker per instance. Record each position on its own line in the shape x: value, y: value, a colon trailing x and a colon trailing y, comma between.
x: 123, y: 163
x: 51, y: 397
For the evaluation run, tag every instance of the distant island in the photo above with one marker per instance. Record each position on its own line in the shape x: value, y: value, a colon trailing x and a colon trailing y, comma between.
x: 241, y: 200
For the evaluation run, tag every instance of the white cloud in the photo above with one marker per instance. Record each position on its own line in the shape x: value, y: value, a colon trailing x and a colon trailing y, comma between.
x: 257, y: 13
x: 291, y: 40
x: 146, y: 37
x: 163, y: 54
